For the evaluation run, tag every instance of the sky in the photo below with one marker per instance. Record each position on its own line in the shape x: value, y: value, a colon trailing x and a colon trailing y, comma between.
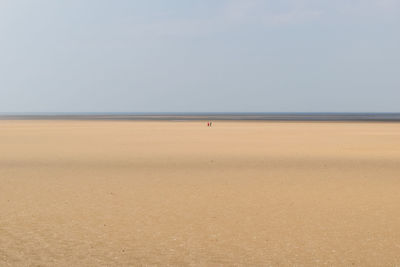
x: 199, y: 56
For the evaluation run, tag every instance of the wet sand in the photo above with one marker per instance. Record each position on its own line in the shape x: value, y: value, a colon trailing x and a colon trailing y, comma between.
x: 119, y: 193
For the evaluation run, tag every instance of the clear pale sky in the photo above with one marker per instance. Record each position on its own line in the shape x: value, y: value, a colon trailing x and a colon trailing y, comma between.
x: 200, y: 56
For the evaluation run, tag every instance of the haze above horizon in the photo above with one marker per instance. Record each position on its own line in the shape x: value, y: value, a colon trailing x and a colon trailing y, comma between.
x: 199, y: 56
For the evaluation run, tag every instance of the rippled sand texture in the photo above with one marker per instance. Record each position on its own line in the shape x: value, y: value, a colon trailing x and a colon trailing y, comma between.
x: 179, y: 193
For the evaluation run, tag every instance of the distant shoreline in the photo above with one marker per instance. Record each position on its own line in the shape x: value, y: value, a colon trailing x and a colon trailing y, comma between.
x: 356, y: 117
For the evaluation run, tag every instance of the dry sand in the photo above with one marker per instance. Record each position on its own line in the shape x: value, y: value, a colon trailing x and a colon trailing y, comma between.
x: 178, y: 193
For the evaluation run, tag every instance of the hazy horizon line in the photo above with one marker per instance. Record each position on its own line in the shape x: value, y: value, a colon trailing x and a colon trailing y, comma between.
x: 193, y: 116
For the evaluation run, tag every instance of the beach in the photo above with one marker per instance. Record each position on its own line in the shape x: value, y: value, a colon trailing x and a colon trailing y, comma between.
x: 179, y: 193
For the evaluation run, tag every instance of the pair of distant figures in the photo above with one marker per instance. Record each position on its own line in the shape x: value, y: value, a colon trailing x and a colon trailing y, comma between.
x: 209, y: 124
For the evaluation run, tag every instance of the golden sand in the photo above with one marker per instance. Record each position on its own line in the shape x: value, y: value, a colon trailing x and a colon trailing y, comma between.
x: 77, y: 193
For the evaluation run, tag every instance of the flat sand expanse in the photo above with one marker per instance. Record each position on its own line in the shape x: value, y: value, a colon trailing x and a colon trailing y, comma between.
x: 92, y: 193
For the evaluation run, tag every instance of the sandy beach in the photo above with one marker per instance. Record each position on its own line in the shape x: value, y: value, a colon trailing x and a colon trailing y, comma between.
x: 130, y: 193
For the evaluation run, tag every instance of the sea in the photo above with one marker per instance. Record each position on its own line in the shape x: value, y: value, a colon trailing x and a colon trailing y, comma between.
x: 360, y: 117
